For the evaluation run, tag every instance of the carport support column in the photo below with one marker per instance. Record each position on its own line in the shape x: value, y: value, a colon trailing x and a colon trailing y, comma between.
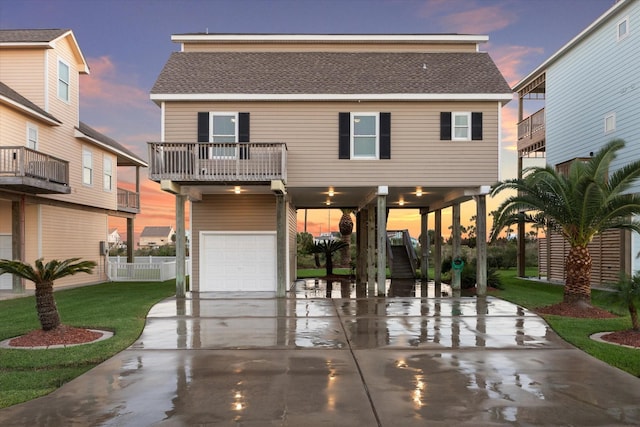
x: 455, y: 249
x: 382, y: 240
x: 437, y: 249
x: 371, y: 251
x: 180, y: 246
x: 424, y: 246
x: 281, y: 245
x: 17, y: 240
x: 481, y: 245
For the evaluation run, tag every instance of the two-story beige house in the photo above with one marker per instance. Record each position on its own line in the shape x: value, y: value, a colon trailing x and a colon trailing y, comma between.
x: 57, y: 175
x: 256, y: 126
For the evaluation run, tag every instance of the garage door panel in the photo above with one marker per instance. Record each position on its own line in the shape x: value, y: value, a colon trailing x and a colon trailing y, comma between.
x: 238, y: 262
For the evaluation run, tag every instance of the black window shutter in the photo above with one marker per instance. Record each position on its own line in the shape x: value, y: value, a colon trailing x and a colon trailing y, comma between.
x: 445, y: 126
x: 243, y: 134
x: 203, y: 133
x: 476, y: 126
x: 385, y: 135
x: 344, y: 135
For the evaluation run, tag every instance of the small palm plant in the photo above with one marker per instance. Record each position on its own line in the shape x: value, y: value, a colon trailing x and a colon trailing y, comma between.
x: 43, y: 275
x: 328, y: 248
x: 626, y: 294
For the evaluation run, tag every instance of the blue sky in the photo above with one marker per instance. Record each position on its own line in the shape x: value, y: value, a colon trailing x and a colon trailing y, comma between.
x: 126, y: 43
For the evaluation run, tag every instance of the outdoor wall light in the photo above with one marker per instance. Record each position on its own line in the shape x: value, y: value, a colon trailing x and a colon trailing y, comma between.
x: 419, y: 191
x: 237, y: 190
x: 401, y: 202
x: 328, y: 202
x: 331, y: 193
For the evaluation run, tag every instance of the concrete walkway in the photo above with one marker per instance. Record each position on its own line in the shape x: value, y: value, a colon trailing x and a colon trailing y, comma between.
x: 254, y: 360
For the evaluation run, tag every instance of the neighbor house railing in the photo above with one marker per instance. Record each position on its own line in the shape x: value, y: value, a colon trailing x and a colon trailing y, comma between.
x: 128, y: 200
x: 239, y: 162
x: 25, y: 162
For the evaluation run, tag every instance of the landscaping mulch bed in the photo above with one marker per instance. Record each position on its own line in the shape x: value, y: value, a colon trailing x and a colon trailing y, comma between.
x: 62, y: 335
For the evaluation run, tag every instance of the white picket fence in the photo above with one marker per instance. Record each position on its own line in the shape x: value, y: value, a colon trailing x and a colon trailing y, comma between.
x: 144, y: 269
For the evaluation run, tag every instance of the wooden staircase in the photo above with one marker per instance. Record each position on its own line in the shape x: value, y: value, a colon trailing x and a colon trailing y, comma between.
x: 402, y: 257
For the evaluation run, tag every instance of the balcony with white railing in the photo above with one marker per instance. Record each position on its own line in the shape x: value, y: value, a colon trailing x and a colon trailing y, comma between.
x: 128, y: 201
x: 29, y: 171
x: 194, y: 162
x: 532, y: 133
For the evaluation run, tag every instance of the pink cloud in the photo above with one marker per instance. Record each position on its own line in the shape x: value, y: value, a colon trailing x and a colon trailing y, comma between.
x: 510, y: 60
x: 467, y: 17
x: 105, y: 85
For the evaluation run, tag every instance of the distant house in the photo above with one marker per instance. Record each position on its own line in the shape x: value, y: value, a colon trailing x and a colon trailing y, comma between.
x: 589, y: 93
x: 153, y: 237
x: 114, y: 239
x: 58, y: 176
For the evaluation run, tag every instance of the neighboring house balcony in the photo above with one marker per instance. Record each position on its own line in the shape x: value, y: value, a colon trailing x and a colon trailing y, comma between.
x: 531, y: 133
x: 243, y: 162
x: 128, y: 201
x: 29, y: 171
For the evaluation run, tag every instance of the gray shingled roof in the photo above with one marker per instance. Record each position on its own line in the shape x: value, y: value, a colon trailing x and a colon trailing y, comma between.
x: 329, y: 73
x: 155, y: 231
x: 7, y: 92
x: 94, y: 134
x: 30, y: 36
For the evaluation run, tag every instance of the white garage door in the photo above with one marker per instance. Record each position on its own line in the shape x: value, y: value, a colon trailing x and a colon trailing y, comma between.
x: 6, y: 280
x: 237, y: 262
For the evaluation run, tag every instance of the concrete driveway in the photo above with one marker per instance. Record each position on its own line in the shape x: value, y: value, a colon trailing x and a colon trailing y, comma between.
x: 254, y: 360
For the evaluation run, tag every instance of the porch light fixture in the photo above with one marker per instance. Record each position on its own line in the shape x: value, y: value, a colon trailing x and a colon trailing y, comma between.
x: 328, y: 202
x: 331, y: 193
x: 237, y: 189
x: 419, y: 191
x: 401, y: 202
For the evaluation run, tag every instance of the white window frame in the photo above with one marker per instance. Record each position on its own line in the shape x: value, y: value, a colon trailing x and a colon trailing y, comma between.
x: 87, y: 167
x: 609, y: 118
x: 455, y: 114
x: 624, y: 35
x: 32, y: 143
x: 61, y: 81
x: 352, y: 136
x: 216, y: 155
x: 107, y: 174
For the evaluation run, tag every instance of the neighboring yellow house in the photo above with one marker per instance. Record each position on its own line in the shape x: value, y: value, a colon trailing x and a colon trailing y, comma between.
x: 57, y: 175
x: 257, y: 126
x: 154, y: 236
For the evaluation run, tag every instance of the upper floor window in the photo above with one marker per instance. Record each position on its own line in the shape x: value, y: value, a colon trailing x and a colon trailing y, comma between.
x: 87, y: 167
x: 107, y: 180
x: 223, y: 129
x: 32, y: 136
x: 460, y: 126
x: 609, y: 122
x: 364, y: 135
x: 623, y: 28
x: 63, y: 80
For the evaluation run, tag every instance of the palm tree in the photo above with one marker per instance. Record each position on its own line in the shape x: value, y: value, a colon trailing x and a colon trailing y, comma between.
x: 328, y: 247
x: 43, y: 275
x: 580, y: 205
x: 626, y: 293
x: 346, y: 229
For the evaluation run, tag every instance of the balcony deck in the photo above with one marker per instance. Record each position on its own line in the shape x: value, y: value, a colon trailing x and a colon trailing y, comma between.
x: 210, y: 163
x: 532, y: 133
x: 128, y: 201
x: 29, y: 171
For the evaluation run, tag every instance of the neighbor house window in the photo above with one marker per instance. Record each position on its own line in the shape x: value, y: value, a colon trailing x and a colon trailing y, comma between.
x: 460, y: 126
x: 364, y: 135
x: 563, y: 168
x: 610, y: 122
x: 87, y: 167
x: 32, y: 136
x: 623, y: 28
x: 108, y: 174
x: 63, y: 80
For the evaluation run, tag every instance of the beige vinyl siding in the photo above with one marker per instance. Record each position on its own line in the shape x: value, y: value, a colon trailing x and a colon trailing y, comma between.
x: 13, y: 127
x: 5, y: 217
x: 23, y: 70
x: 66, y: 233
x: 67, y: 112
x: 329, y: 47
x: 606, y: 250
x: 310, y: 130
x: 234, y: 212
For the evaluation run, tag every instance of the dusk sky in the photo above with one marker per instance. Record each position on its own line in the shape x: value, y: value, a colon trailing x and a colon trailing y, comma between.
x: 127, y: 42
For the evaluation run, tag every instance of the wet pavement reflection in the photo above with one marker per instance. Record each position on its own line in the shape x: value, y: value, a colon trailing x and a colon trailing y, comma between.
x: 255, y: 360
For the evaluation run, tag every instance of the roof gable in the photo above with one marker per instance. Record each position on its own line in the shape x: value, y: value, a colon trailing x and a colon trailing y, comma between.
x: 155, y: 231
x: 125, y: 156
x: 14, y: 99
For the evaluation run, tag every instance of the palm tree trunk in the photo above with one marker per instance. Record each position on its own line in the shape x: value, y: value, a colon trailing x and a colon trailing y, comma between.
x: 46, y: 306
x: 577, y: 289
x: 635, y: 324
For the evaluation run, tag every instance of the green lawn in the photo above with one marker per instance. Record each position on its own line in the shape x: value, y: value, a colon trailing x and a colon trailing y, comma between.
x: 532, y: 294
x: 118, y: 307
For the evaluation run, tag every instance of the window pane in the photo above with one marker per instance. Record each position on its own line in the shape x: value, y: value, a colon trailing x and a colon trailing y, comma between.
x: 461, y: 132
x: 364, y: 125
x: 461, y: 120
x: 364, y: 146
x: 63, y: 71
x: 224, y: 125
x: 221, y: 139
x: 622, y: 29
